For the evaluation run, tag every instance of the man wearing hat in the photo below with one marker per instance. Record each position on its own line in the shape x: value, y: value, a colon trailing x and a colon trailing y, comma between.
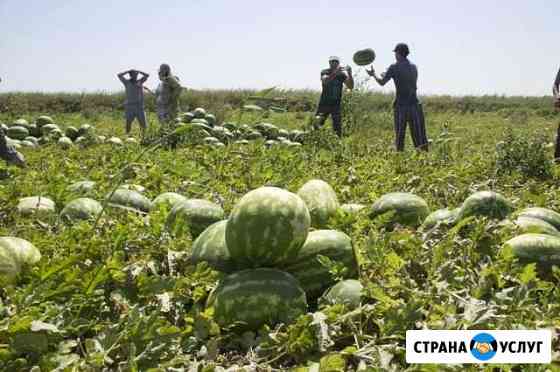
x: 406, y: 107
x: 556, y: 94
x: 332, y: 80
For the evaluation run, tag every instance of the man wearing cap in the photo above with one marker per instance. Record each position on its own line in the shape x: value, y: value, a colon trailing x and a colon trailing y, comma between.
x: 556, y: 94
x: 332, y: 80
x: 134, y: 103
x: 406, y: 107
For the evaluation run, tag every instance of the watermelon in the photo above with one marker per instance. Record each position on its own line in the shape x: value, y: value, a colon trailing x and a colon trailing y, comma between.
x: 44, y: 120
x: 65, y: 142
x: 241, y: 142
x: 217, y: 145
x: 321, y: 201
x: 364, y: 57
x: 210, y: 140
x: 347, y: 292
x: 100, y: 139
x: 32, y: 139
x: 440, y: 217
x: 84, y: 130
x: 230, y: 126
x: 199, y: 113
x: 535, y: 225
x: 352, y: 208
x: 169, y: 199
x: 81, y: 209
x: 252, y: 136
x: 26, y: 143
x: 211, y: 119
x: 253, y: 298
x: 129, y: 199
x: 253, y: 108
x: 15, y: 253
x: 115, y: 141
x: 544, y: 214
x: 187, y: 117
x: 267, y: 226
x: 197, y: 214
x: 270, y: 143
x: 20, y: 123
x: 536, y: 248
x: 138, y: 188
x: 48, y: 128
x: 72, y: 133
x: 409, y: 209
x: 36, y: 205
x: 283, y: 133
x: 210, y: 247
x: 4, y: 127
x: 485, y: 203
x: 56, y: 134
x: 131, y: 140
x: 81, y: 186
x: 223, y: 134
x: 313, y: 277
x: 17, y: 132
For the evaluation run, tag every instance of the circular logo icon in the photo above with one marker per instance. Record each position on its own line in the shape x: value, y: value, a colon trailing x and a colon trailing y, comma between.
x: 483, y: 346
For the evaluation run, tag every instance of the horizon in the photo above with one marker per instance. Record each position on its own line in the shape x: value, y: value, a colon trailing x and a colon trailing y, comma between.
x: 461, y: 49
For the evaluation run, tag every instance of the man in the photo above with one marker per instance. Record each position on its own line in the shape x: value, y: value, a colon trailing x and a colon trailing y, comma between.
x: 406, y: 107
x: 556, y: 94
x: 8, y: 152
x: 167, y: 95
x: 332, y: 80
x: 134, y: 103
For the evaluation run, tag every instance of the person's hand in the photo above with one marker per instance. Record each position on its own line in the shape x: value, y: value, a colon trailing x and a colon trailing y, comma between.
x: 371, y: 71
x: 349, y: 70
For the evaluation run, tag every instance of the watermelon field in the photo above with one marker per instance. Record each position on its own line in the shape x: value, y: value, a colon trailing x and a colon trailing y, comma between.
x: 237, y: 239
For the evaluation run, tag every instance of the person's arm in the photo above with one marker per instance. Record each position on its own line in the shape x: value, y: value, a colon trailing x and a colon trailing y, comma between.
x: 148, y: 90
x: 326, y: 77
x: 349, y: 81
x: 121, y: 76
x: 384, y: 77
x: 175, y: 87
x: 556, y: 86
x: 145, y: 76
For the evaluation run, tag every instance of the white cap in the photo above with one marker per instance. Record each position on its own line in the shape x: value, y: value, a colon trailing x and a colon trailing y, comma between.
x: 334, y: 58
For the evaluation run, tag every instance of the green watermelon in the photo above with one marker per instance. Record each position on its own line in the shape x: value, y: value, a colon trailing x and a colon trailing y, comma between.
x: 56, y: 134
x: 48, y: 128
x: 15, y: 253
x: 211, y: 119
x: 538, y: 248
x: 253, y: 298
x: 168, y: 198
x: 129, y: 199
x: 199, y: 113
x: 17, y: 132
x: 32, y: 139
x: 38, y: 205
x: 535, y: 225
x: 138, y: 188
x: 81, y: 209
x: 84, y: 130
x: 210, y: 140
x: 210, y: 247
x: 115, y: 141
x: 409, y: 209
x: 544, y: 214
x: 20, y: 123
x: 241, y: 142
x: 313, y: 277
x: 72, y: 133
x: 81, y: 186
x: 364, y: 57
x: 347, y: 292
x: 485, y: 203
x: 65, y: 142
x: 321, y: 201
x: 252, y: 108
x: 186, y: 117
x: 253, y: 136
x: 230, y: 126
x: 267, y: 226
x: 352, y: 208
x: 441, y: 216
x: 44, y: 120
x: 270, y: 143
x: 26, y: 143
x: 197, y: 214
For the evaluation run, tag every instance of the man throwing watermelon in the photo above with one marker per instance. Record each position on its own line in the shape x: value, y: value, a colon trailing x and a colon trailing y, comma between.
x: 406, y: 107
x: 556, y: 94
x: 333, y: 80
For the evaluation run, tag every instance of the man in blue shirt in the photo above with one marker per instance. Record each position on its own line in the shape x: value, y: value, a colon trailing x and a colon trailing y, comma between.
x: 406, y: 107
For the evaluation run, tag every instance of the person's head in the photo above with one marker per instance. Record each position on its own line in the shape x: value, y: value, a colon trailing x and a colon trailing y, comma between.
x: 164, y: 70
x: 133, y: 75
x: 401, y: 51
x: 334, y: 62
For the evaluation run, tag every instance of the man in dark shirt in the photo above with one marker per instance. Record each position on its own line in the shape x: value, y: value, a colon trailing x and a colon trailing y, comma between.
x: 332, y: 80
x: 407, y: 108
x: 556, y: 94
x: 134, y: 103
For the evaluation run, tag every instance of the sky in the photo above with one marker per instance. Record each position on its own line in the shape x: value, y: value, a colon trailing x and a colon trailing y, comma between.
x: 461, y: 47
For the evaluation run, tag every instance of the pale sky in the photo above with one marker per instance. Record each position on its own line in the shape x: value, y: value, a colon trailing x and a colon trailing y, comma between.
x: 460, y: 47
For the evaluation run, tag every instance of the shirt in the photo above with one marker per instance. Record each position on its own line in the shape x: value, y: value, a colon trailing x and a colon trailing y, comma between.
x: 168, y: 92
x: 557, y: 81
x: 134, y: 92
x: 332, y: 90
x: 405, y: 76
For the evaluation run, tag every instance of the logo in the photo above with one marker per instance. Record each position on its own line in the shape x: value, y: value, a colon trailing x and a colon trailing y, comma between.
x: 483, y: 346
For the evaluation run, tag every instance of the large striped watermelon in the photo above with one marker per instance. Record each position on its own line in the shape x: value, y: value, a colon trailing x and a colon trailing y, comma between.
x: 253, y: 298
x: 81, y: 209
x: 409, y: 209
x: 44, y: 120
x: 535, y: 225
x: 321, y: 201
x: 539, y: 248
x: 347, y: 292
x: 364, y: 57
x: 485, y: 203
x: 17, y: 132
x: 267, y: 226
x: 168, y: 198
x: 544, y: 214
x: 210, y: 247
x: 129, y: 199
x: 306, y: 267
x: 38, y: 205
x: 14, y: 254
x: 193, y: 215
x: 441, y: 216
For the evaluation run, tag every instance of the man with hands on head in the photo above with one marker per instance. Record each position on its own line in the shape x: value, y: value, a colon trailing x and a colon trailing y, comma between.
x: 556, y: 94
x: 406, y: 107
x: 134, y: 103
x: 333, y: 79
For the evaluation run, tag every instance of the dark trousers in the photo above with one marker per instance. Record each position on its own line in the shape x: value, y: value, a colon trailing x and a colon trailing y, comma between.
x: 414, y: 116
x: 334, y: 111
x: 557, y: 149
